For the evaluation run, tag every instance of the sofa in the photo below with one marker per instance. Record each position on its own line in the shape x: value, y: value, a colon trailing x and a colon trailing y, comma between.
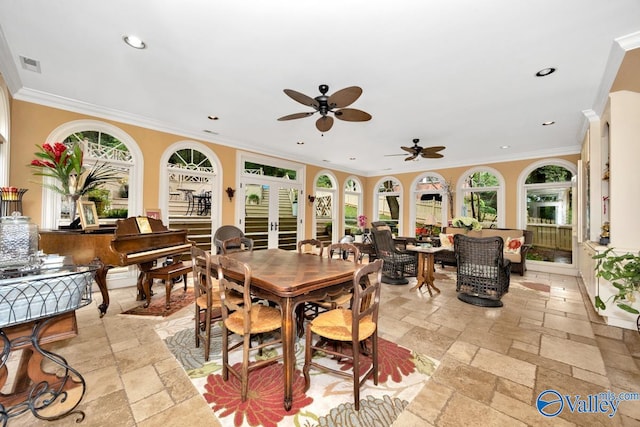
x: 516, y: 245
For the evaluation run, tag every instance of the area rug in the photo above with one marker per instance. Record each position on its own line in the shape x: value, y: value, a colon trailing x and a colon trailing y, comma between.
x: 179, y: 300
x: 329, y: 401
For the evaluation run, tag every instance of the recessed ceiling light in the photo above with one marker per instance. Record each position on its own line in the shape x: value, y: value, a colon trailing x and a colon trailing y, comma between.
x: 549, y: 123
x: 545, y: 72
x: 210, y: 131
x: 504, y: 147
x: 300, y: 142
x: 352, y: 158
x: 134, y: 42
x: 212, y: 117
x: 327, y: 161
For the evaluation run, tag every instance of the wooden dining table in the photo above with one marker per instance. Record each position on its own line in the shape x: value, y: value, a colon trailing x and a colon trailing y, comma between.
x: 289, y: 278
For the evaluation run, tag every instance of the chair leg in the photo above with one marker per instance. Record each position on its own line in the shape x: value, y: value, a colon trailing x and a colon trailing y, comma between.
x: 355, y: 348
x: 245, y: 366
x: 207, y: 335
x: 308, y: 353
x: 225, y: 353
x: 197, y: 318
x: 374, y: 355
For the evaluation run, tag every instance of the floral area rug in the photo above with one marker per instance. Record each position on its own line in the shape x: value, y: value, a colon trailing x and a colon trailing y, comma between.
x: 179, y: 300
x: 328, y: 402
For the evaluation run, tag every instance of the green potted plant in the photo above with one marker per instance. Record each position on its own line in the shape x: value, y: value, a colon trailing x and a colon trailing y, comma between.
x: 623, y: 272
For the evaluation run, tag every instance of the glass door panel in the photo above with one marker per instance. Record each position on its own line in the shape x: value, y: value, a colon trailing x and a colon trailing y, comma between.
x: 256, y: 214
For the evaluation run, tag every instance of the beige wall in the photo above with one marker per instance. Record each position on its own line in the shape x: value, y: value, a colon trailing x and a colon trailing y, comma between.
x: 32, y: 123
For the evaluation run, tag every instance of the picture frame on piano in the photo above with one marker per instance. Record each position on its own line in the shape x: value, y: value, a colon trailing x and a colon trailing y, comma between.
x: 154, y: 213
x: 88, y: 215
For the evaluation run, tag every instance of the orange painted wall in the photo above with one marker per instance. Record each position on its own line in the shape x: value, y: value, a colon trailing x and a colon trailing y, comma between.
x: 32, y: 123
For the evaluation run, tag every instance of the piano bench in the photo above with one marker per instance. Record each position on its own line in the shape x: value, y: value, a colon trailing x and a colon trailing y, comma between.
x: 167, y: 274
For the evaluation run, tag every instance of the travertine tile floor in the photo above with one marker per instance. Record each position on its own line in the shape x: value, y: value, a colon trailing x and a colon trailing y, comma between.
x: 494, y: 362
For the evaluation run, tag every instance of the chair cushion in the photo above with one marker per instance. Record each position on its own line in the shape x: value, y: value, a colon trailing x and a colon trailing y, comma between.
x: 263, y: 319
x: 336, y: 325
x: 234, y: 298
x: 446, y: 241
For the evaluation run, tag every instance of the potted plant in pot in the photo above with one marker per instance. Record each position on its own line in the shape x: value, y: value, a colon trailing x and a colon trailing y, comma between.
x: 623, y: 272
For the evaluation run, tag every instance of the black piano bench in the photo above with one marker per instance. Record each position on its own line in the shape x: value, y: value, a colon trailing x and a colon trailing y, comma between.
x: 167, y: 274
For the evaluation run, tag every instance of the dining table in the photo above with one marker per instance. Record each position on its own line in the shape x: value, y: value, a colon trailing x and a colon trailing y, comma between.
x: 288, y: 279
x: 426, y: 265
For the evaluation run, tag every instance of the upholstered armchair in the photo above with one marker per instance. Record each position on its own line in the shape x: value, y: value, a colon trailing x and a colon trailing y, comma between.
x: 483, y: 272
x: 398, y: 264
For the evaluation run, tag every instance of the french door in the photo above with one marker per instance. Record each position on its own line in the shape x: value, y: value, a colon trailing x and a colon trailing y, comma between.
x: 271, y: 216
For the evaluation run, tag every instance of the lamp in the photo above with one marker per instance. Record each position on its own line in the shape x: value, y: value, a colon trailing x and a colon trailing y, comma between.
x: 230, y: 192
x: 311, y: 198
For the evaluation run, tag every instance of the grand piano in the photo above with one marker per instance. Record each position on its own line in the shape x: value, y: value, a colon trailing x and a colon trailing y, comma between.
x: 132, y: 241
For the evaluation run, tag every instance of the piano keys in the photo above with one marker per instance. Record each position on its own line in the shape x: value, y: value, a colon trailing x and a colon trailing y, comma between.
x: 121, y: 245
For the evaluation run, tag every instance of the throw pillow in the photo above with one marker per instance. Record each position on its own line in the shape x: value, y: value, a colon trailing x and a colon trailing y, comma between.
x: 446, y: 241
x: 512, y: 246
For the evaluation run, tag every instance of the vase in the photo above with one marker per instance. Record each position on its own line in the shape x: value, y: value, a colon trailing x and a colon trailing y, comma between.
x: 72, y: 201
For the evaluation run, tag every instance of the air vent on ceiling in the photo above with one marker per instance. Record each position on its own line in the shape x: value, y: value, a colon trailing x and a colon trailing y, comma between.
x: 30, y: 64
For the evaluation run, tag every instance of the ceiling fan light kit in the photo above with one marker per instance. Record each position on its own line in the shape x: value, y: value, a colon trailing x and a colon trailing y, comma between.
x: 334, y: 104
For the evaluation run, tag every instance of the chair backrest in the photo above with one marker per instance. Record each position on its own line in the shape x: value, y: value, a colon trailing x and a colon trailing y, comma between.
x: 345, y: 251
x: 316, y: 247
x: 366, y: 293
x: 223, y: 233
x: 383, y: 241
x: 203, y: 283
x: 478, y: 256
x: 235, y: 244
x: 234, y: 277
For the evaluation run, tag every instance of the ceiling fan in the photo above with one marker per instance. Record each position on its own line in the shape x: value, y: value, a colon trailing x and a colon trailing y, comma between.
x: 416, y: 150
x: 324, y: 105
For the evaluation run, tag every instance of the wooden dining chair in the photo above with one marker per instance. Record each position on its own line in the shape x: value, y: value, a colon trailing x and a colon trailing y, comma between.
x: 246, y: 320
x: 311, y: 246
x: 355, y: 325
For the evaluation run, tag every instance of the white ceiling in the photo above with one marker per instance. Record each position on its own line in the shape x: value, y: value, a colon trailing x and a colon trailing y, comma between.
x: 458, y: 73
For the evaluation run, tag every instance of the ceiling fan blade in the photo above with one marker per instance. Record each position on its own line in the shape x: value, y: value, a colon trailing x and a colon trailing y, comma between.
x: 409, y: 149
x: 393, y: 155
x: 344, y: 97
x: 410, y: 158
x: 295, y: 116
x: 302, y: 98
x: 432, y: 155
x: 324, y: 123
x: 432, y: 152
x: 352, y: 115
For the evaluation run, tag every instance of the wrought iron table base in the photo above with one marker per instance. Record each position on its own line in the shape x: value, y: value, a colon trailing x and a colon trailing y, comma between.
x: 42, y: 394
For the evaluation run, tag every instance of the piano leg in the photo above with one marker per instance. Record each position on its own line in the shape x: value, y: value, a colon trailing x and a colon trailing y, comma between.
x: 144, y: 288
x: 101, y: 280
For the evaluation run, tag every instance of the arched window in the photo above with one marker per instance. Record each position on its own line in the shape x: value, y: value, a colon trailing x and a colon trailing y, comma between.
x: 548, y: 210
x: 352, y: 203
x: 325, y: 207
x: 430, y: 202
x: 388, y: 203
x: 481, y: 196
x: 107, y: 144
x: 190, y: 189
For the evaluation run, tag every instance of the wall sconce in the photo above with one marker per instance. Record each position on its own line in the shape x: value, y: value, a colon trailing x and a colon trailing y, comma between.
x: 311, y: 198
x: 230, y: 192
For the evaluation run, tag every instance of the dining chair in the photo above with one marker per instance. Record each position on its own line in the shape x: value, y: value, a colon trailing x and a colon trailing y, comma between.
x: 236, y: 244
x: 310, y: 246
x: 356, y: 325
x: 246, y: 320
x: 207, y: 297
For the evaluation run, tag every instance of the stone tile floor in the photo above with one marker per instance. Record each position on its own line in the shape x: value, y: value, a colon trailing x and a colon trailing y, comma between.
x: 494, y: 362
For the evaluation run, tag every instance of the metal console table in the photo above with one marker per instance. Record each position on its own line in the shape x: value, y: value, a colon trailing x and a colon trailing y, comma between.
x: 38, y: 308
